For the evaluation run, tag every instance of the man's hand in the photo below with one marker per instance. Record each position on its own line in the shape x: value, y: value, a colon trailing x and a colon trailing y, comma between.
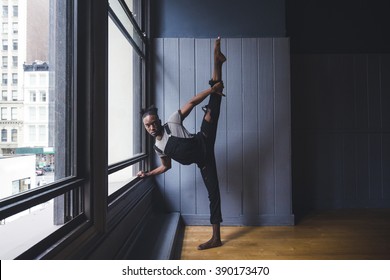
x: 218, y: 88
x: 142, y: 174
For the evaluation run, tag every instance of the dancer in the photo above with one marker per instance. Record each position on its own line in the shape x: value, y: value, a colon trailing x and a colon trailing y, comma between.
x: 173, y: 141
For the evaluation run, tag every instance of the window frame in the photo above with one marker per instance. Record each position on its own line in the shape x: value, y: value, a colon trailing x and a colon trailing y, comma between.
x: 142, y: 53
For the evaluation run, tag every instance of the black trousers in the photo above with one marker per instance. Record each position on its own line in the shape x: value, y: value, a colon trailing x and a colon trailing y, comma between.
x: 209, y: 167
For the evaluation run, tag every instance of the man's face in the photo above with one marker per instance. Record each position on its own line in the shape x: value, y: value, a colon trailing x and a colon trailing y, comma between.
x: 152, y: 125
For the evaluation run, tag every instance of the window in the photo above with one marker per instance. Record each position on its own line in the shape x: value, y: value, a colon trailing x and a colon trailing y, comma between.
x: 4, y: 60
x: 61, y: 195
x: 33, y: 96
x: 5, y: 44
x: 5, y: 11
x: 5, y: 28
x: 14, y: 95
x: 31, y: 133
x: 14, y: 61
x: 42, y: 95
x: 14, y: 113
x: 4, y: 79
x: 15, y: 28
x: 3, y: 135
x: 14, y: 78
x: 125, y: 91
x: 14, y: 135
x: 4, y: 95
x: 15, y: 44
x: 15, y: 11
x: 4, y: 111
x: 32, y: 113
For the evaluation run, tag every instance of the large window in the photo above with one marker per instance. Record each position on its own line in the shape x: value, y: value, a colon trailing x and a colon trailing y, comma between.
x: 126, y: 61
x: 52, y: 193
x: 79, y: 97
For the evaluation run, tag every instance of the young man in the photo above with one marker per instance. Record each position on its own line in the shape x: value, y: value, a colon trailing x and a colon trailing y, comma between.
x: 173, y: 141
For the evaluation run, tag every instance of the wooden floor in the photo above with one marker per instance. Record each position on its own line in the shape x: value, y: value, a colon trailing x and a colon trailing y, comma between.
x: 332, y: 235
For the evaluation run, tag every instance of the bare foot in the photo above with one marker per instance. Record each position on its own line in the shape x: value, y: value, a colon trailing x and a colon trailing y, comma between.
x: 210, y: 244
x: 219, y: 56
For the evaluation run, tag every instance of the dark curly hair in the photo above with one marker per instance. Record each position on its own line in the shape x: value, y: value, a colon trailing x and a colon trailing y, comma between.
x: 151, y: 110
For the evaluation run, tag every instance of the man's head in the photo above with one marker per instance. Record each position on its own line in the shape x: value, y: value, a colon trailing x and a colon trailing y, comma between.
x: 151, y: 121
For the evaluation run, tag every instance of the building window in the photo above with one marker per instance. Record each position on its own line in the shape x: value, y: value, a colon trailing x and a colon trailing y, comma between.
x: 14, y: 135
x: 15, y: 11
x: 15, y: 28
x: 5, y: 11
x: 33, y: 96
x: 5, y: 28
x: 4, y: 79
x: 4, y: 61
x: 42, y: 95
x: 14, y: 78
x: 42, y: 113
x: 4, y: 135
x: 14, y: 61
x: 15, y: 46
x: 5, y: 44
x: 14, y: 95
x: 32, y: 114
x: 14, y: 113
x: 4, y: 95
x: 31, y: 133
x: 4, y: 111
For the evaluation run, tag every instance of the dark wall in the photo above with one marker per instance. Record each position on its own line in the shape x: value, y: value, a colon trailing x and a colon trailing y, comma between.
x: 226, y: 18
x: 338, y: 26
x: 340, y: 92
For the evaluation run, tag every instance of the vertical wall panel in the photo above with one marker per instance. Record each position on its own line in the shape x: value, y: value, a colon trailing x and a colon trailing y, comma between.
x: 253, y: 139
x: 266, y: 126
x: 250, y: 127
x: 233, y: 86
x: 158, y: 97
x: 171, y: 104
x: 203, y: 75
x: 282, y: 127
x: 187, y: 89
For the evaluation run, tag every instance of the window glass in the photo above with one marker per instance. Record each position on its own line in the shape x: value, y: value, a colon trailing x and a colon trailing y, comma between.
x: 125, y: 95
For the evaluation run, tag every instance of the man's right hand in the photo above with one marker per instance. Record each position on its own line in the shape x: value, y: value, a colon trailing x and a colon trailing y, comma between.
x: 141, y: 174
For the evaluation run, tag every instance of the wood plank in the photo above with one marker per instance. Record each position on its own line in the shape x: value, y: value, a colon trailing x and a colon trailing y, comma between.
x: 334, y: 235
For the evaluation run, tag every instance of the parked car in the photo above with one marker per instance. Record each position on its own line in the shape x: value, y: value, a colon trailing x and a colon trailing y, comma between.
x: 39, y: 172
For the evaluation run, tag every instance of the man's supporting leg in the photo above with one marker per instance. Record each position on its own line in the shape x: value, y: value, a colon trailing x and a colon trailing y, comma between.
x: 209, y: 171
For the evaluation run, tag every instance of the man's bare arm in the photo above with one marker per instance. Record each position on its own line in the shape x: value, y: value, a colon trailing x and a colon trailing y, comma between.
x: 197, y: 99
x: 166, y: 164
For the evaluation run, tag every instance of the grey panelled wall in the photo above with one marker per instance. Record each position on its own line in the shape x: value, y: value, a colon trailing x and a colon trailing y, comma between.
x: 341, y: 132
x: 253, y: 147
